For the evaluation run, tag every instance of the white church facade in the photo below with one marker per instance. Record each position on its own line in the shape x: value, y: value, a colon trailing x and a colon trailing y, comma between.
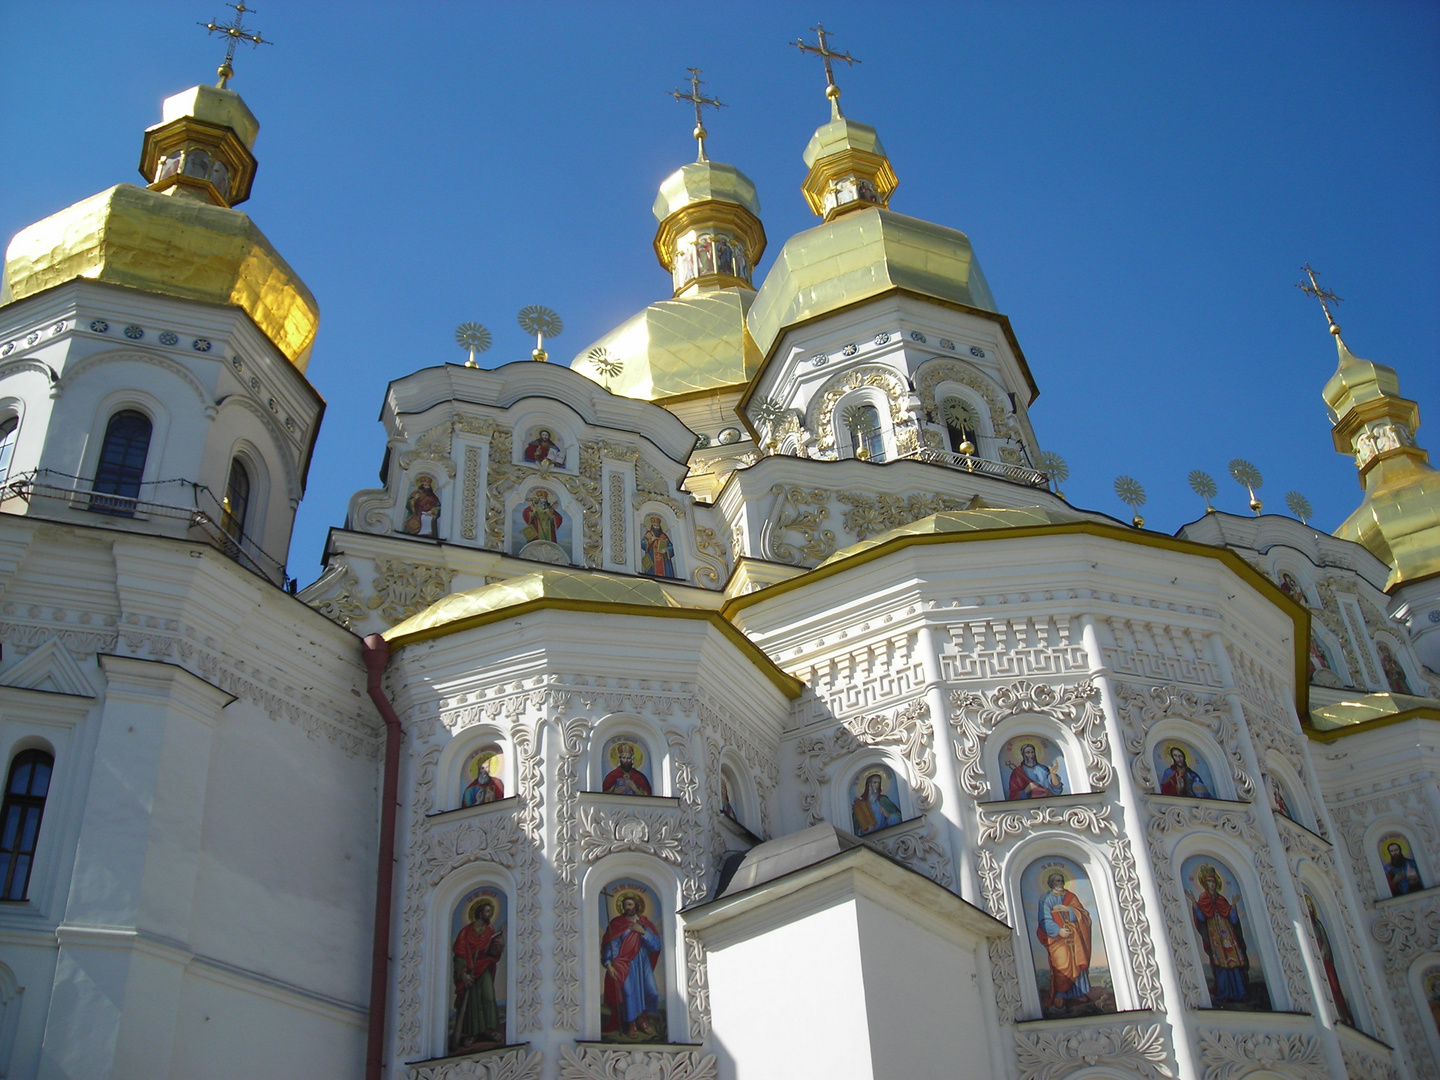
x: 741, y: 701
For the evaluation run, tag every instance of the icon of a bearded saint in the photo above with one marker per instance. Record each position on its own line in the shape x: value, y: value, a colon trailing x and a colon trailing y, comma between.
x: 1222, y: 936
x: 484, y: 788
x: 1401, y: 873
x: 1033, y: 780
x: 1064, y: 929
x: 630, y: 952
x: 657, y: 553
x: 1180, y: 779
x: 542, y: 518
x: 474, y: 956
x: 873, y: 810
x: 544, y: 448
x: 422, y: 503
x: 625, y: 779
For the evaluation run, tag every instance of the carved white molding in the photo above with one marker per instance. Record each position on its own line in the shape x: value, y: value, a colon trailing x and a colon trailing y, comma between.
x: 600, y: 1063
x: 1159, y: 653
x: 1227, y: 1055
x: 1361, y: 1064
x: 1006, y: 979
x: 529, y: 771
x: 980, y: 649
x: 517, y: 1064
x: 974, y: 716
x: 876, y: 674
x: 915, y: 844
x: 1137, y: 925
x: 992, y: 888
x: 802, y: 511
x: 997, y: 826
x: 1280, y: 734
x: 649, y: 832
x: 574, y: 735
x: 697, y: 988
x: 1142, y: 707
x: 1136, y: 1049
x: 907, y: 727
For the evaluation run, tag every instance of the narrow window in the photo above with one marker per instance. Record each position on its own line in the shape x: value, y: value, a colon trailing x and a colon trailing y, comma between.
x: 8, y: 430
x: 122, y: 463
x: 237, y: 501
x: 866, y: 440
x: 20, y: 819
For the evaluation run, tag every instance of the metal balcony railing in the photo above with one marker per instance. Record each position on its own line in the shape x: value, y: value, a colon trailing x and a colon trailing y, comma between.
x: 1015, y: 474
x: 182, y: 500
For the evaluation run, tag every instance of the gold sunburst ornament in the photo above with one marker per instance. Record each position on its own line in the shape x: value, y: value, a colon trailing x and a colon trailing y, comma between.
x: 1248, y: 477
x: 543, y: 323
x: 605, y: 364
x: 474, y: 338
x: 1132, y: 494
x: 1203, y: 484
x: 1055, y: 468
x: 1300, y: 506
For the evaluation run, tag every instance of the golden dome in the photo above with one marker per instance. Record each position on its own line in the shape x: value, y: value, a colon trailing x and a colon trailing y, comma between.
x: 176, y: 247
x: 705, y: 181
x: 1399, y: 518
x: 692, y: 343
x: 848, y: 169
x: 860, y: 255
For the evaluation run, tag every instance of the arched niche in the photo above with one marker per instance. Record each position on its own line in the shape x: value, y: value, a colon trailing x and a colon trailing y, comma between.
x: 1058, y: 758
x: 738, y: 798
x: 603, y: 891
x: 1204, y: 772
x: 862, y: 427
x: 1413, y: 872
x: 606, y: 758
x: 659, y: 543
x: 545, y: 438
x: 545, y: 523
x: 952, y: 398
x: 423, y: 501
x: 1333, y: 951
x: 1396, y: 667
x: 457, y: 768
x: 1423, y: 979
x: 1286, y: 793
x: 159, y: 416
x: 873, y: 793
x: 450, y: 902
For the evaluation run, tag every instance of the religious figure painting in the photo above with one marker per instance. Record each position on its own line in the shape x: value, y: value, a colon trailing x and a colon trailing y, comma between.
x: 632, y: 949
x: 1279, y: 800
x: 422, y: 508
x: 1292, y: 588
x: 1430, y: 983
x: 540, y: 529
x: 1067, y: 945
x: 1222, y: 923
x: 657, y: 551
x: 477, y: 972
x: 727, y: 800
x: 1327, y: 960
x: 1182, y: 771
x: 874, y: 800
x: 1402, y: 873
x: 481, y: 773
x: 543, y: 446
x: 627, y: 764
x: 1032, y: 767
x: 1395, y: 675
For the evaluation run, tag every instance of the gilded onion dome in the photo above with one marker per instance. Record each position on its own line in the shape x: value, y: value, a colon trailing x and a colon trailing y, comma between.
x: 709, y: 239
x: 1399, y: 518
x: 179, y: 236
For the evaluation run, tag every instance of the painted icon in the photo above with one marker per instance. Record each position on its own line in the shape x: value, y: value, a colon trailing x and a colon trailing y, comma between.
x: 543, y: 446
x: 1279, y: 800
x: 1067, y: 947
x: 1032, y: 767
x: 1292, y: 588
x: 422, y: 508
x: 1430, y: 982
x: 1327, y: 960
x: 481, y: 772
x: 540, y: 530
x: 1182, y: 771
x: 632, y: 1007
x: 874, y: 800
x: 657, y: 553
x: 477, y: 968
x: 629, y: 767
x: 1394, y: 674
x: 727, y: 800
x: 1401, y: 872
x: 1233, y: 973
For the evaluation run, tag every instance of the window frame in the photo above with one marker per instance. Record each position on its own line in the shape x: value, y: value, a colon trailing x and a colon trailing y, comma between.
x: 23, y: 801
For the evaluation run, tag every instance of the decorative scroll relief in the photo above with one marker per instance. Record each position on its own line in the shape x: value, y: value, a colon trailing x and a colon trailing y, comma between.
x: 710, y: 547
x: 527, y: 873
x: 907, y: 727
x: 1363, y: 1065
x: 1354, y: 818
x: 432, y: 445
x: 915, y: 845
x: 763, y: 767
x: 518, y: 1064
x: 344, y: 604
x: 974, y: 716
x: 1134, y: 1049
x: 655, y: 833
x: 697, y: 988
x: 469, y: 497
x: 1011, y: 649
x: 619, y: 553
x: 999, y: 826
x: 1005, y: 978
x: 871, y: 514
x: 1405, y: 931
x: 574, y: 735
x: 1137, y: 925
x: 1141, y: 708
x: 797, y: 510
x: 890, y: 382
x: 595, y: 1063
x: 504, y: 476
x: 935, y: 372
x: 991, y: 888
x: 1228, y: 1055
x: 404, y: 588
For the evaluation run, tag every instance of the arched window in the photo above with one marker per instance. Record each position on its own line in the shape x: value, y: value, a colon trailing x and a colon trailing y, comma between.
x: 960, y: 424
x: 867, y: 442
x: 122, y: 462
x: 237, y: 501
x: 8, y: 430
x: 25, y: 792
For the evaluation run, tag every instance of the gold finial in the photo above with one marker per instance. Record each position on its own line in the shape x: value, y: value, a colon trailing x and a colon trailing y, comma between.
x: 543, y: 323
x: 607, y: 365
x: 1325, y: 296
x: 1299, y: 506
x: 699, y: 100
x: 474, y: 337
x: 827, y: 54
x: 1203, y: 484
x: 237, y: 32
x: 1132, y: 494
x: 1248, y: 477
x: 1055, y: 470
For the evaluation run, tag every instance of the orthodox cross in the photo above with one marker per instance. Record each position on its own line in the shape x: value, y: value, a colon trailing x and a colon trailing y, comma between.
x: 1325, y: 296
x: 826, y: 54
x: 236, y: 31
x: 699, y: 100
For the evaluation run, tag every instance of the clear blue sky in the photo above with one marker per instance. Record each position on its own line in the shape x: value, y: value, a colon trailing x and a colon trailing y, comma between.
x: 1140, y: 181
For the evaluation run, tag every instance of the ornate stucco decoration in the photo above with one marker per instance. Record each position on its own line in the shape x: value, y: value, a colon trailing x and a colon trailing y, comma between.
x: 891, y: 383
x: 1005, y: 978
x: 597, y: 1063
x: 1183, y: 660
x: 650, y: 832
x: 1227, y: 1055
x: 574, y: 735
x: 404, y: 588
x: 973, y: 716
x: 519, y: 1064
x: 432, y: 445
x: 1141, y: 708
x: 996, y: 648
x: 916, y: 844
x: 799, y: 510
x: 1361, y: 1064
x: 872, y: 514
x: 907, y: 728
x: 1137, y: 924
x: 504, y: 476
x: 711, y: 547
x: 1135, y: 1049
x: 934, y: 372
x: 337, y: 595
x: 998, y: 826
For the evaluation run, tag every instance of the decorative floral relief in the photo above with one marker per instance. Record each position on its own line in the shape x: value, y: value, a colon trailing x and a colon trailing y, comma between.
x: 916, y: 847
x: 802, y: 511
x: 432, y: 445
x: 651, y: 832
x: 574, y: 735
x: 344, y: 605
x: 708, y: 544
x: 890, y: 382
x: 871, y: 514
x: 998, y: 826
x: 974, y: 716
x: 525, y: 736
x: 933, y: 373
x: 470, y: 498
x: 908, y: 728
x: 1136, y: 1049
x: 404, y: 588
x: 1363, y: 1065
x: 1137, y: 925
x: 1228, y: 1055
x: 1005, y: 978
x: 518, y: 1064
x: 1141, y: 708
x: 595, y: 1063
x: 991, y: 888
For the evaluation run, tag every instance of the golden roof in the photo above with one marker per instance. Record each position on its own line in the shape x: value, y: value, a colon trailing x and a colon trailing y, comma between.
x: 224, y: 108
x: 839, y: 156
x: 1351, y: 713
x: 859, y: 255
x: 976, y: 519
x: 173, y: 246
x: 705, y: 181
x: 692, y: 343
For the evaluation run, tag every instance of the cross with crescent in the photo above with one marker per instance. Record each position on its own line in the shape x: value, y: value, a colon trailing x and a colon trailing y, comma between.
x: 236, y: 31
x: 826, y: 54
x: 1325, y: 296
x: 699, y: 100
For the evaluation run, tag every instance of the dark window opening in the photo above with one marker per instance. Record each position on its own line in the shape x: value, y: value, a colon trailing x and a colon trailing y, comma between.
x: 25, y: 791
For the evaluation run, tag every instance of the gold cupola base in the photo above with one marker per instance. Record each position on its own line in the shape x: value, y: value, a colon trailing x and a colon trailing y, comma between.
x: 848, y: 169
